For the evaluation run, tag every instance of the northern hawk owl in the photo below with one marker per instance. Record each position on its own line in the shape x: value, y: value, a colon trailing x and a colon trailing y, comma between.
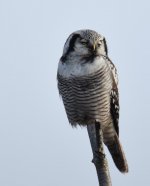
x: 88, y: 84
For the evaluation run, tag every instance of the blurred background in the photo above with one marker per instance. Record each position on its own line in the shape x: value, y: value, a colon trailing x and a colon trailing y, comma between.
x: 37, y: 145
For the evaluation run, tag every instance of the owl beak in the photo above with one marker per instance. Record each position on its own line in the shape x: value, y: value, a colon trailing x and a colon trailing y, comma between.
x: 94, y: 46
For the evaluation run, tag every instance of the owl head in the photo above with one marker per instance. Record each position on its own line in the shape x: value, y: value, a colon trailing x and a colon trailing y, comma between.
x: 85, y: 43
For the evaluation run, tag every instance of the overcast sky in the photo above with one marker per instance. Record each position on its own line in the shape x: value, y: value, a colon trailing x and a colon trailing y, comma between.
x: 37, y: 145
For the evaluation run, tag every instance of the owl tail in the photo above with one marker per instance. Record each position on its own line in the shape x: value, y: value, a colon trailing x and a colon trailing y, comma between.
x: 117, y: 154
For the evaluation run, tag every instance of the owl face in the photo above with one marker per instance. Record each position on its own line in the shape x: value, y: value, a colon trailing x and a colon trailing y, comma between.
x: 85, y: 43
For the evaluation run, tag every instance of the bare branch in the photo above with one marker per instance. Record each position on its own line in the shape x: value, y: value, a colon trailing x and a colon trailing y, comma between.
x: 99, y: 158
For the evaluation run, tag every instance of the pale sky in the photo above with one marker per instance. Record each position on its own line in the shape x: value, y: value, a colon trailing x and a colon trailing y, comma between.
x: 38, y: 147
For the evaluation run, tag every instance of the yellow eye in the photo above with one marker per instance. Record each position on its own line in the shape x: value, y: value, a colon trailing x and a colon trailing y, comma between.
x: 83, y: 42
x: 98, y: 44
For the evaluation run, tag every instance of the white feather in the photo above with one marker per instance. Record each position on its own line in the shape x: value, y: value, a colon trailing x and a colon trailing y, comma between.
x: 76, y: 68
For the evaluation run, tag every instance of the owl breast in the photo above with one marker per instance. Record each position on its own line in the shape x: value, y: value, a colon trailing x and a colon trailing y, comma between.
x: 87, y: 97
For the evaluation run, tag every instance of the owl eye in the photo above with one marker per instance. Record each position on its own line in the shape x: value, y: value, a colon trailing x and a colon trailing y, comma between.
x: 84, y: 42
x: 98, y: 44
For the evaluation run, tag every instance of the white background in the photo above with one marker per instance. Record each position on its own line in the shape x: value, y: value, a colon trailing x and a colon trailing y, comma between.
x: 37, y: 145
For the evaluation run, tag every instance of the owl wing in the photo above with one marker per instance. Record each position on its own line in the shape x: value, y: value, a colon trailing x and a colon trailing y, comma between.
x: 114, y: 98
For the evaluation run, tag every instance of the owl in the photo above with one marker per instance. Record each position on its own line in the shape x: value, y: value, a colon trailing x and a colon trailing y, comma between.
x: 88, y: 85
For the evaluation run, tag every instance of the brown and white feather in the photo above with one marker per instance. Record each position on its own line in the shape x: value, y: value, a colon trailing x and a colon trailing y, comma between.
x: 88, y: 85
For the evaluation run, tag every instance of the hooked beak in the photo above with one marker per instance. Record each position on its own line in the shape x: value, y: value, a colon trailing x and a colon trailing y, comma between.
x: 94, y: 46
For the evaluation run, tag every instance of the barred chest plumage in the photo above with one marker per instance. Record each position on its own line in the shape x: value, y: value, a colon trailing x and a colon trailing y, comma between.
x: 85, y: 90
x: 88, y: 85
